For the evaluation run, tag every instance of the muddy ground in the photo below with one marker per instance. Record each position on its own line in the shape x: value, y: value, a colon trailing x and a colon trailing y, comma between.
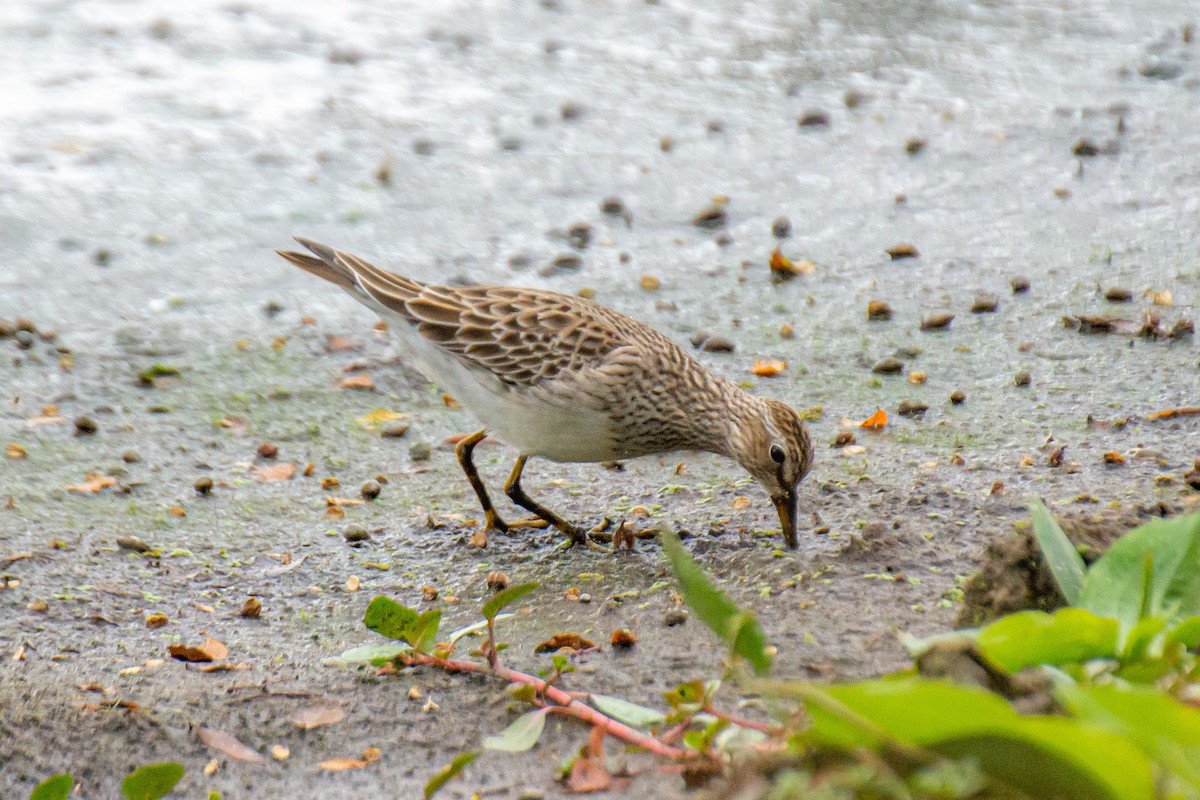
x: 151, y: 158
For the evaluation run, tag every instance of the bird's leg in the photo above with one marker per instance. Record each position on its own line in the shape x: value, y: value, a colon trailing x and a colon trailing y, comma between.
x: 463, y: 450
x: 512, y: 488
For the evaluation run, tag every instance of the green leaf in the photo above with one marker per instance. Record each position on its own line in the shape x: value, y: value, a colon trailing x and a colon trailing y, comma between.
x: 377, y: 654
x: 1164, y: 729
x: 1141, y: 638
x: 1149, y: 571
x: 388, y: 618
x: 1186, y: 633
x: 521, y: 735
x: 446, y: 773
x: 739, y: 629
x: 506, y: 597
x: 152, y: 781
x: 424, y: 631
x: 1028, y: 638
x: 56, y: 787
x: 624, y: 711
x: 1064, y: 561
x: 1042, y: 756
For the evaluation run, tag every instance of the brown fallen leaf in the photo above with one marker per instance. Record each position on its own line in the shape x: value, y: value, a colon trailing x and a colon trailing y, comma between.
x: 315, y: 716
x: 269, y: 473
x: 210, y: 650
x: 450, y: 402
x: 1171, y: 413
x: 740, y: 503
x: 340, y: 344
x: 228, y: 744
x: 362, y: 381
x: 560, y: 640
x: 93, y: 483
x: 768, y: 367
x: 876, y: 421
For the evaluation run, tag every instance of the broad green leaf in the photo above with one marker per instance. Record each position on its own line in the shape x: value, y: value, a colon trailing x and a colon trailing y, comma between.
x: 504, y: 598
x: 1027, y: 638
x: 388, y: 618
x: 1165, y: 730
x: 446, y: 773
x: 152, y: 781
x: 627, y: 712
x: 56, y: 787
x: 1186, y: 633
x: 377, y: 654
x: 1064, y: 561
x: 423, y: 634
x: 739, y: 629
x: 1117, y: 585
x: 1141, y: 637
x: 1042, y: 756
x: 521, y: 735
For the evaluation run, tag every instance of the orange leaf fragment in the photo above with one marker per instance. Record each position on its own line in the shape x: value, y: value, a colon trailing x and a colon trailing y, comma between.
x: 315, y: 716
x: 211, y: 650
x: 876, y: 421
x: 340, y: 344
x: 362, y: 381
x: 228, y: 744
x: 176, y: 511
x: 1171, y: 413
x: 340, y: 764
x: 333, y: 512
x: 269, y: 473
x: 94, y: 483
x: 768, y: 367
x: 560, y: 640
x: 450, y: 402
x: 14, y: 451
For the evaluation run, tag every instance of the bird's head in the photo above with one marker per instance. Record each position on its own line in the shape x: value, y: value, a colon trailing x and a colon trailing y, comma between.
x: 771, y: 441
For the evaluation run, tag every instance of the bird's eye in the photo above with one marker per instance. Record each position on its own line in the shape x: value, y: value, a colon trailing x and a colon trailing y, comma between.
x: 778, y: 455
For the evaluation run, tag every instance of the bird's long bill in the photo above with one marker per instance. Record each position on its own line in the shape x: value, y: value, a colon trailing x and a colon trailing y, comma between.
x: 785, y: 504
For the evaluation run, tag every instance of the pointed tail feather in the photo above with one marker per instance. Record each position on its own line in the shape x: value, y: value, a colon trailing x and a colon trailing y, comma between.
x: 329, y: 270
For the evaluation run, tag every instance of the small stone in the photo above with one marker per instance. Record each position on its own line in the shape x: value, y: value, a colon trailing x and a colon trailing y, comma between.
x: 888, y: 366
x: 565, y: 262
x: 394, y: 430
x: 356, y: 533
x: 1117, y: 294
x: 511, y: 144
x: 1085, y: 148
x: 25, y: 324
x: 901, y: 251
x: 1019, y: 285
x: 24, y: 339
x: 878, y: 310
x: 579, y: 235
x: 936, y: 322
x: 813, y: 118
x: 781, y: 228
x: 985, y: 303
x: 958, y: 397
x: 650, y: 283
x: 7, y: 328
x: 251, y: 609
x: 666, y: 144
x: 498, y: 581
x: 786, y: 331
x: 531, y: 794
x: 102, y: 257
x: 676, y: 616
x: 571, y: 111
x: 912, y: 408
x: 1022, y: 378
x: 423, y: 147
x: 370, y: 490
x: 419, y: 451
x: 268, y: 450
x: 272, y: 309
x: 855, y: 98
x: 612, y: 206
x: 85, y: 426
x: 623, y: 638
x: 203, y: 485
x: 708, y: 343
x: 710, y: 218
x: 131, y: 457
x: 843, y: 439
x: 915, y: 145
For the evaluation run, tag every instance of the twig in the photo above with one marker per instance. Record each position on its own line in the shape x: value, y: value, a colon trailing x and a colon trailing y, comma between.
x: 761, y: 727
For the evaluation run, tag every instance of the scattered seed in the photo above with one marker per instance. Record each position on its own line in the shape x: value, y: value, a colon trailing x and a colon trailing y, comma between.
x: 394, y: 430
x: 571, y: 111
x: 957, y: 460
x: 624, y: 638
x: 902, y: 251
x: 370, y: 490
x: 912, y: 408
x: 916, y: 378
x: 842, y: 439
x: 768, y: 367
x: 268, y: 450
x: 936, y: 322
x: 131, y: 457
x: 612, y: 206
x: 710, y: 218
x: 1019, y: 285
x: 676, y: 616
x: 156, y: 621
x: 997, y: 488
x: 1162, y: 297
x: 786, y: 331
x: 888, y: 366
x: 712, y: 344
x: 813, y: 118
x: 1117, y: 294
x: 579, y: 235
x: 985, y: 303
x: 133, y: 543
x: 915, y: 145
x: 1112, y: 457
x: 498, y: 581
x: 564, y: 262
x: 650, y: 283
x: 251, y: 609
x: 330, y: 483
x: 356, y: 533
x: 429, y: 594
x: 85, y: 426
x: 1085, y: 148
x: 666, y: 144
x: 203, y: 485
x: 1022, y: 378
x: 781, y: 228
x: 878, y: 310
x: 40, y: 605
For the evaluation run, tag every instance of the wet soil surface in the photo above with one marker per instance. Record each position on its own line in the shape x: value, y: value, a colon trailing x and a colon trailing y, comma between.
x: 152, y: 158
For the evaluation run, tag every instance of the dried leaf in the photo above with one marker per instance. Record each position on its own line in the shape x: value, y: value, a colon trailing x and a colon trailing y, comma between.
x: 315, y: 716
x: 740, y: 503
x: 768, y: 367
x: 340, y: 344
x: 269, y: 473
x: 235, y: 425
x: 227, y: 744
x: 1171, y: 413
x: 94, y: 482
x: 340, y: 764
x: 362, y: 381
x: 876, y: 421
x: 14, y: 451
x: 450, y: 402
x: 210, y: 650
x: 342, y: 501
x: 560, y: 640
x: 378, y: 418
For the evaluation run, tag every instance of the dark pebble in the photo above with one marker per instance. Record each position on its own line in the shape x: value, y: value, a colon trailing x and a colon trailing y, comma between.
x: 708, y: 343
x: 1117, y: 294
x: 612, y: 206
x: 723, y: 239
x: 985, y: 303
x: 716, y: 126
x: 1022, y: 378
x: 571, y: 111
x: 676, y: 616
x: 85, y: 426
x: 902, y: 251
x: 419, y: 451
x: 268, y: 450
x: 878, y: 310
x: 24, y: 339
x: 912, y: 408
x: 914, y: 146
x: 855, y: 98
x: 423, y: 147
x: 102, y: 257
x: 1160, y: 70
x: 203, y: 485
x: 958, y: 397
x: 781, y: 228
x: 1020, y: 285
x: 370, y: 490
x: 814, y: 118
x: 511, y: 144
x: 131, y: 457
x: 566, y: 262
x: 272, y: 309
x: 711, y: 218
x: 936, y: 322
x: 888, y: 366
x: 1085, y: 148
x: 579, y: 235
x: 356, y: 533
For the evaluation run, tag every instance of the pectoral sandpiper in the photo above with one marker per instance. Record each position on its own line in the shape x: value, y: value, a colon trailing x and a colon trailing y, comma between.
x: 569, y: 380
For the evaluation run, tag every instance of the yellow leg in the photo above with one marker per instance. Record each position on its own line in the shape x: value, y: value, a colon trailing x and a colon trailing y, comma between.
x: 513, y: 489
x: 464, y: 450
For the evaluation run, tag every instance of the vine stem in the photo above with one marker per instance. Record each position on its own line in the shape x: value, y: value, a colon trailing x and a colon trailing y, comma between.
x: 565, y: 702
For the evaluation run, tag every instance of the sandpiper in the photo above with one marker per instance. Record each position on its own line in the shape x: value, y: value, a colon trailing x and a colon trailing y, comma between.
x: 567, y: 379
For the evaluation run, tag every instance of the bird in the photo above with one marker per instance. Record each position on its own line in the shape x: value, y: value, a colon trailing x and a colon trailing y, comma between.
x: 567, y: 379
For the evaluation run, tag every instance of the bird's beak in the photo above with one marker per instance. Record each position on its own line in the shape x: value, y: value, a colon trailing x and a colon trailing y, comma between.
x: 785, y: 504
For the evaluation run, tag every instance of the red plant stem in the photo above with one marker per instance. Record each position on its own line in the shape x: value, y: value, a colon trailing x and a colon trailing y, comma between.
x: 566, y: 703
x: 741, y: 723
